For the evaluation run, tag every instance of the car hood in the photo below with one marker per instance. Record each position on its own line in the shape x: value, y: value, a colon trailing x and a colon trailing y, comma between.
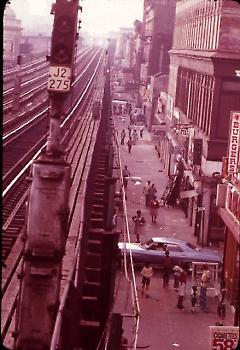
x: 210, y: 252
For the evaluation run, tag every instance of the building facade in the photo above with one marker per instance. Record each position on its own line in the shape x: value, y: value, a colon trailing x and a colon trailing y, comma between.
x: 157, y: 36
x: 11, y: 37
x: 228, y: 203
x: 203, y: 89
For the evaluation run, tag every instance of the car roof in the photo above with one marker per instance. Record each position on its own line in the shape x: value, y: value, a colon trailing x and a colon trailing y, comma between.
x: 168, y: 240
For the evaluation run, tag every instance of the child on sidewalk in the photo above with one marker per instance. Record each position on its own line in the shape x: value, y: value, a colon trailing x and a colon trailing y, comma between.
x: 177, y: 272
x: 138, y: 222
x: 193, y: 297
x: 146, y: 273
x: 221, y: 308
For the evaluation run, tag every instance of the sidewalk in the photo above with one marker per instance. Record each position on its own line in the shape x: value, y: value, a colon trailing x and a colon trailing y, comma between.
x: 162, y: 325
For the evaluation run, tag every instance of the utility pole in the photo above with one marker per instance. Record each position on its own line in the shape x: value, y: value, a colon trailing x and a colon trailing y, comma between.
x: 17, y: 86
x: 47, y: 212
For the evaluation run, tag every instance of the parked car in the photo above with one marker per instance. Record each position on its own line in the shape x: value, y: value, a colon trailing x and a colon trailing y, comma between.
x: 181, y: 252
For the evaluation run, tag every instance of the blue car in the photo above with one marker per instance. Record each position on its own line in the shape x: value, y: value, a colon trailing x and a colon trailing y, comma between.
x: 180, y: 251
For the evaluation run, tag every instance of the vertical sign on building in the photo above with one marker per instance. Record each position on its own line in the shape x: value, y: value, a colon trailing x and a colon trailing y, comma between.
x: 234, y: 143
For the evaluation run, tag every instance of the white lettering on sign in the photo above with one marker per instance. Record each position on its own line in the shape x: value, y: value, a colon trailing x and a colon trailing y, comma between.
x: 59, y: 79
x: 234, y: 143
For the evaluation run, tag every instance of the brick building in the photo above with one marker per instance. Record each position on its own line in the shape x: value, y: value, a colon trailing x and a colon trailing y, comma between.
x: 157, y: 36
x: 11, y: 37
x: 203, y: 89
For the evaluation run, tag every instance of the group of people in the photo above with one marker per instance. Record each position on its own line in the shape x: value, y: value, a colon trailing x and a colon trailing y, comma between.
x: 132, y: 137
x: 151, y: 200
x: 180, y: 282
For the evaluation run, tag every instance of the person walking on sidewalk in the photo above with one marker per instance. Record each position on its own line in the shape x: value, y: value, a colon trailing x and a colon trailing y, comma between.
x: 138, y: 222
x: 154, y: 206
x: 152, y: 192
x: 123, y: 135
x: 177, y: 272
x: 146, y: 273
x: 221, y: 308
x: 193, y: 298
x: 129, y: 131
x: 182, y: 289
x: 145, y: 192
x: 135, y: 137
x: 129, y: 144
x: 125, y: 174
x: 203, y: 287
x: 166, y: 268
x: 141, y: 131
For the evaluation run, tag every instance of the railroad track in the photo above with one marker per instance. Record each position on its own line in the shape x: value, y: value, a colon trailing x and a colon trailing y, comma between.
x: 79, y: 135
x: 29, y: 89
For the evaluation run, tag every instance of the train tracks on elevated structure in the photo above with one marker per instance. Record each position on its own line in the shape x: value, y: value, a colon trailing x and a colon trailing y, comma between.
x: 78, y: 135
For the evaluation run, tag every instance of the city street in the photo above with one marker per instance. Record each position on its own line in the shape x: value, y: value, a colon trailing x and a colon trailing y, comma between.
x: 162, y: 324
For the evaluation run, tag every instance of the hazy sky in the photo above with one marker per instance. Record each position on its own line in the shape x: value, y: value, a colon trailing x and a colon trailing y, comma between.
x: 98, y: 16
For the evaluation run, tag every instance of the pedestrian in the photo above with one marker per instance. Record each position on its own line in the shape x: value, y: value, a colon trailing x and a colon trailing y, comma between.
x: 193, y: 297
x: 114, y: 218
x: 154, y: 206
x: 166, y: 268
x: 135, y: 137
x: 138, y: 222
x: 129, y: 131
x: 221, y: 308
x: 125, y: 174
x: 203, y: 287
x: 152, y: 192
x: 146, y: 273
x: 129, y: 144
x: 145, y: 192
x: 123, y: 135
x: 177, y: 272
x: 141, y: 131
x: 182, y: 289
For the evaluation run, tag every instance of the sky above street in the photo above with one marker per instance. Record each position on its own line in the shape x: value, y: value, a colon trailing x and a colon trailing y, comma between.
x: 98, y: 16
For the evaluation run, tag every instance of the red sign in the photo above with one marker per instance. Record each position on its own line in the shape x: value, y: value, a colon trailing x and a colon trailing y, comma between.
x: 234, y: 143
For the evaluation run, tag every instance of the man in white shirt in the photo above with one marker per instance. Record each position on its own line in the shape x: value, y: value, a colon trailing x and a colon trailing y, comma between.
x: 203, y: 287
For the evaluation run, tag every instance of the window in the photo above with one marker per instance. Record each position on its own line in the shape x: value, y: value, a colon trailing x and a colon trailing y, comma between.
x: 174, y: 248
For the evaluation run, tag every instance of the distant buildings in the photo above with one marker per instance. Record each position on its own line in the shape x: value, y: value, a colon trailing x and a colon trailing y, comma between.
x: 157, y: 36
x: 40, y: 43
x: 11, y: 37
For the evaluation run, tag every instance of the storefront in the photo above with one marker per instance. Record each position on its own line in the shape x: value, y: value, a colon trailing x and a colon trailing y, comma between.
x: 228, y: 202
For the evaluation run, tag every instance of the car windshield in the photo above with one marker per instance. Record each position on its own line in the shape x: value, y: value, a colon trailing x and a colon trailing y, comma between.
x: 191, y: 246
x: 150, y: 242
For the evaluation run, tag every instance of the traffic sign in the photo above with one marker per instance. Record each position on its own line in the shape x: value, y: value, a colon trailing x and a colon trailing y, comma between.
x: 59, y: 79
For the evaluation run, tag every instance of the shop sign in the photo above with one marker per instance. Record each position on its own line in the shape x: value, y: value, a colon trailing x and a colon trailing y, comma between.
x: 191, y: 133
x: 223, y: 337
x: 184, y: 131
x: 234, y: 143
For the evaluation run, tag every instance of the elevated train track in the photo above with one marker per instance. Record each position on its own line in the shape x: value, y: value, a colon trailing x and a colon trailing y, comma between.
x: 78, y: 131
x: 89, y: 264
x: 34, y: 86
